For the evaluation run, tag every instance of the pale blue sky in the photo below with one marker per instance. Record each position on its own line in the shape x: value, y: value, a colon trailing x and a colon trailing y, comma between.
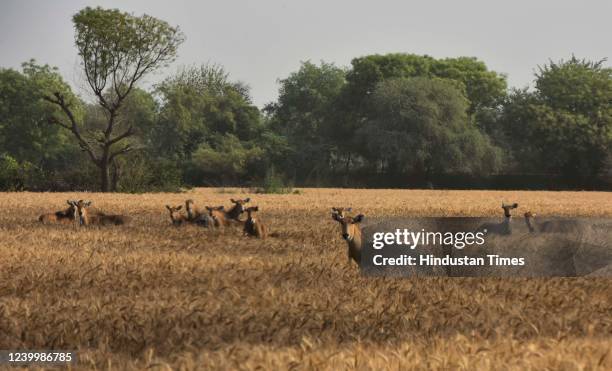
x: 261, y: 41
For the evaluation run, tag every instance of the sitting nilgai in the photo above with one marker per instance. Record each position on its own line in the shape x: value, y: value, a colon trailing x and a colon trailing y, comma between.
x: 351, y: 234
x: 176, y: 216
x: 254, y: 226
x: 195, y: 215
x: 84, y: 218
x: 66, y: 216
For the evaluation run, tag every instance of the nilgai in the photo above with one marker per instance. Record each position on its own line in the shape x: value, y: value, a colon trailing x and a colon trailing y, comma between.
x: 217, y: 213
x: 223, y: 218
x: 237, y: 210
x: 503, y: 228
x: 351, y: 232
x: 254, y: 226
x: 176, y: 216
x: 195, y: 215
x: 85, y: 218
x: 65, y: 216
x: 552, y: 226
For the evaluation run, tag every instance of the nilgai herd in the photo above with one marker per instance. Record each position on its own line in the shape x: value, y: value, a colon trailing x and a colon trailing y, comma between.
x: 79, y: 213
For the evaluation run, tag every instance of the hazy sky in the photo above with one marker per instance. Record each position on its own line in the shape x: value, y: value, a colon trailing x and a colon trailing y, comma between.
x: 261, y: 41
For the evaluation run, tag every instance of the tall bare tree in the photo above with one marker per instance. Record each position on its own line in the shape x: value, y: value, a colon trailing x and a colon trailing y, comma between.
x: 117, y: 50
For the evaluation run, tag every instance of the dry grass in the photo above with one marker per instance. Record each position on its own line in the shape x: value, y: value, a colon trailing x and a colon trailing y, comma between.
x: 151, y: 295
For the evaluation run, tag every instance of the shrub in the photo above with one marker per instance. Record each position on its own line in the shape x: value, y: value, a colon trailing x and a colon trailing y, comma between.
x: 273, y: 183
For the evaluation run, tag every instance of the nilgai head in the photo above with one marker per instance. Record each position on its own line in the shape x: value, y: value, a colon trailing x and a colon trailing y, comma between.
x: 528, y: 219
x: 81, y: 211
x: 349, y: 225
x: 251, y: 210
x: 239, y: 204
x: 175, y: 214
x: 507, y: 208
x: 340, y: 211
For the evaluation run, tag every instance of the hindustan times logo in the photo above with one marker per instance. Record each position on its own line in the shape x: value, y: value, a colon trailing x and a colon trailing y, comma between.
x: 413, y: 239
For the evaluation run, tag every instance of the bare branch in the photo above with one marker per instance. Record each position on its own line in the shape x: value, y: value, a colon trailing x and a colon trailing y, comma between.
x: 125, y: 134
x: 128, y: 148
x: 59, y: 100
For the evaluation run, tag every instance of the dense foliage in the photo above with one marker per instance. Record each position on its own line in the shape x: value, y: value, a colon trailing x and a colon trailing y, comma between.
x: 387, y: 120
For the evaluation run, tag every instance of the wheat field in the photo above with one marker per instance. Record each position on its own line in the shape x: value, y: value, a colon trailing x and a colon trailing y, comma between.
x: 148, y: 295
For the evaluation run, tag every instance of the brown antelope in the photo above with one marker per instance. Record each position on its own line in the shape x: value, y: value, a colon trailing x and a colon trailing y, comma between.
x: 351, y: 232
x: 552, y: 226
x: 195, y: 215
x: 218, y: 215
x: 504, y: 227
x: 66, y: 216
x: 341, y: 211
x: 254, y: 226
x: 236, y: 210
x: 176, y: 216
x: 85, y: 218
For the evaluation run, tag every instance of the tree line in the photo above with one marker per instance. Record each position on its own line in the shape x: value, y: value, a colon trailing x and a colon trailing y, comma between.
x: 399, y: 120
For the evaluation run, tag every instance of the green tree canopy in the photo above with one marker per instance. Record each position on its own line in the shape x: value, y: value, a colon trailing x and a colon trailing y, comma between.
x: 482, y: 87
x: 565, y: 125
x: 25, y: 133
x: 200, y: 102
x: 305, y: 115
x: 420, y: 126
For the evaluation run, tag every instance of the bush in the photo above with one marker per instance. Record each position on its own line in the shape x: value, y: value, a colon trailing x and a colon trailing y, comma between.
x: 273, y: 183
x: 15, y: 176
x: 139, y: 173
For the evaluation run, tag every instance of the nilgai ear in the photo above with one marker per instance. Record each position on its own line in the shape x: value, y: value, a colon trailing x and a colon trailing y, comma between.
x: 233, y: 201
x: 335, y: 216
x: 168, y: 207
x: 179, y: 207
x: 70, y: 202
x: 209, y: 208
x: 514, y: 205
x: 358, y: 218
x: 255, y: 208
x: 248, y: 199
x: 87, y: 203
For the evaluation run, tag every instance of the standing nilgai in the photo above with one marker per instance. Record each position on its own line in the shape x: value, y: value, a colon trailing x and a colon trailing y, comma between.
x: 351, y: 232
x: 503, y: 228
x: 553, y: 226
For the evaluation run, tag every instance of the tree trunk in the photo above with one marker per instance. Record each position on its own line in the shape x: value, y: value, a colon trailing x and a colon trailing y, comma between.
x: 104, y: 177
x: 347, y: 169
x: 104, y: 171
x: 115, y: 176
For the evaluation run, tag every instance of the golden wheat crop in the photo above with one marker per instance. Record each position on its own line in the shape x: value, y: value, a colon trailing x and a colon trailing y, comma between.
x: 150, y: 295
